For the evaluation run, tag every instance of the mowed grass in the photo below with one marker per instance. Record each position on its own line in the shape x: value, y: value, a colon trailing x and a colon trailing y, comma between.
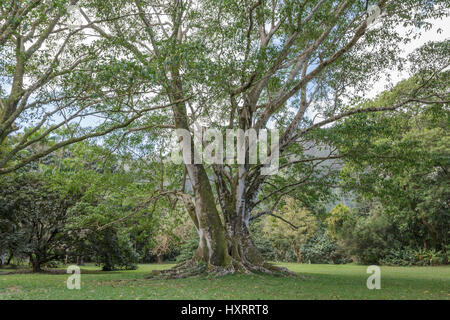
x: 319, y: 282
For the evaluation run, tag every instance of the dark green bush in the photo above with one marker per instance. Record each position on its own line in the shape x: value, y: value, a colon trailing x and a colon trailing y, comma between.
x: 113, y: 250
x: 369, y: 239
x: 187, y: 250
x: 321, y: 249
x: 265, y: 247
x: 419, y: 257
x: 399, y: 257
x: 431, y: 257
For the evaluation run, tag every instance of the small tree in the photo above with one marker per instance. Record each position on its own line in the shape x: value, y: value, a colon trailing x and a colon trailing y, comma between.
x: 172, y: 232
x: 35, y: 212
x: 113, y: 249
x: 303, y: 226
x: 339, y: 217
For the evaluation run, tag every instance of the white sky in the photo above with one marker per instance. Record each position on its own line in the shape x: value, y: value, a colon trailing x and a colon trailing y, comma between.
x: 429, y: 35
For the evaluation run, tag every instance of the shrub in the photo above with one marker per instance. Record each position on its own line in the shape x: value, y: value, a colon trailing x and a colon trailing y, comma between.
x: 419, y: 257
x: 321, y: 249
x: 113, y: 250
x: 430, y: 257
x: 263, y: 244
x: 265, y: 248
x: 33, y: 214
x: 369, y: 239
x: 187, y: 250
x: 400, y: 257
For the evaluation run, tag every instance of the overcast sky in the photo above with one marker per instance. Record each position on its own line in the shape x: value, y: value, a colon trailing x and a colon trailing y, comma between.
x: 430, y: 35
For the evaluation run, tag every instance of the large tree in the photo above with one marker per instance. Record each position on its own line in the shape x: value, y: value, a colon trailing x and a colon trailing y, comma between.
x: 256, y: 65
x: 296, y: 66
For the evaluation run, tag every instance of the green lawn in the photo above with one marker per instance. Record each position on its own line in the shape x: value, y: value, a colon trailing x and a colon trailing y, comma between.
x: 323, y: 282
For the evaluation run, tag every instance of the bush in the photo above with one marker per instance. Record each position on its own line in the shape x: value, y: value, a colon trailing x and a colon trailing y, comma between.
x: 52, y: 264
x: 187, y: 250
x: 265, y: 248
x: 261, y: 242
x: 33, y: 214
x: 321, y: 249
x: 400, y: 257
x: 113, y: 250
x: 430, y: 257
x: 420, y: 257
x: 369, y: 239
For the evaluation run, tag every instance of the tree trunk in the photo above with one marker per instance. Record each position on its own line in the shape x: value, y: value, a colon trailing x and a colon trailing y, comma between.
x: 430, y: 230
x: 9, y: 259
x: 224, y: 246
x: 36, y: 264
x: 213, y: 247
x: 80, y: 261
x: 298, y: 254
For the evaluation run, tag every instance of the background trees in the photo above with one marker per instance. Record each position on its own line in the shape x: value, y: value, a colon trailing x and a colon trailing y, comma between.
x: 396, y: 170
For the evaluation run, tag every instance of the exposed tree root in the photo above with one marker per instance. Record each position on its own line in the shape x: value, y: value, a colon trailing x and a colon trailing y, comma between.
x: 194, y: 267
x: 185, y: 269
x: 282, y: 271
x: 243, y: 258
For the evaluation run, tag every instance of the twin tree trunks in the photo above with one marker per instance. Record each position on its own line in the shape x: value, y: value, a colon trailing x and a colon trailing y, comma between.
x: 225, y: 245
